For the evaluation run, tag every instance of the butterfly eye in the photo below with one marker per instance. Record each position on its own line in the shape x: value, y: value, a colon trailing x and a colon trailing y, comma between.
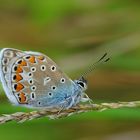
x: 53, y: 68
x: 62, y: 80
x: 43, y: 67
x: 33, y: 69
x: 81, y: 84
x: 50, y: 94
x: 33, y: 88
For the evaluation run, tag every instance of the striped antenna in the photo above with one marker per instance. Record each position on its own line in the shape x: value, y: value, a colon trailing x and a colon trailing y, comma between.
x: 103, y: 59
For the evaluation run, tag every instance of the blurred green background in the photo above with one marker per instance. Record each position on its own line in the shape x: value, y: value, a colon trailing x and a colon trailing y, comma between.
x: 75, y: 33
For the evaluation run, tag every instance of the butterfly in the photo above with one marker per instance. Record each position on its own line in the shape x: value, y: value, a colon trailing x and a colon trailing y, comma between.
x: 33, y: 80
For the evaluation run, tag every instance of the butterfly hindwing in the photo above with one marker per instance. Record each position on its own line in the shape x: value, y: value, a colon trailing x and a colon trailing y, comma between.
x: 33, y: 79
x: 7, y: 58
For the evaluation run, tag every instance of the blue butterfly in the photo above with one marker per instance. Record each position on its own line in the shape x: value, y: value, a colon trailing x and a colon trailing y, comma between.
x: 33, y: 80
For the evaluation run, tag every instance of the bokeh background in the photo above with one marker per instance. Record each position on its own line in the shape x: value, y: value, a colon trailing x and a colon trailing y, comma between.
x: 75, y: 34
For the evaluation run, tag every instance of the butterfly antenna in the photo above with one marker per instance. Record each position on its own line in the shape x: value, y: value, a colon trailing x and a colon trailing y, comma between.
x: 103, y: 59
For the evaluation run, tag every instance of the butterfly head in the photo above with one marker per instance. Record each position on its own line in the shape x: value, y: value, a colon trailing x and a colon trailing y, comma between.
x: 81, y: 83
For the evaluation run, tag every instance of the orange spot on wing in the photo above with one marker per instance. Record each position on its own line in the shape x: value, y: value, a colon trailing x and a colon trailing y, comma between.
x: 18, y: 77
x: 41, y: 57
x: 19, y: 87
x: 32, y: 59
x: 19, y: 69
x: 23, y: 63
x: 22, y: 98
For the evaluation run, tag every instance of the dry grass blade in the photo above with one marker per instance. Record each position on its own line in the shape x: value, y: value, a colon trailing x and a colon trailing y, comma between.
x: 55, y: 114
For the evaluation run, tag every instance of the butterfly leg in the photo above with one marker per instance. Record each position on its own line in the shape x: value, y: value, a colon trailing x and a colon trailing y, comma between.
x: 60, y: 110
x: 86, y: 99
x: 65, y: 105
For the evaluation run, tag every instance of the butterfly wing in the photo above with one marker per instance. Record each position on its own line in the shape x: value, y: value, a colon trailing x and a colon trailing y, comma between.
x: 33, y: 79
x: 7, y: 57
